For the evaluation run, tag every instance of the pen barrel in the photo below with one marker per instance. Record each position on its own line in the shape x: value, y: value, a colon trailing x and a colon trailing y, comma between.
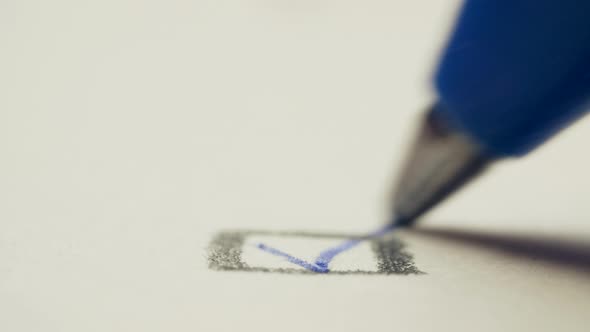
x: 516, y: 72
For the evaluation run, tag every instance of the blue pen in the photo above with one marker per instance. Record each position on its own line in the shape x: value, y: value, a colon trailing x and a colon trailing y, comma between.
x: 513, y: 74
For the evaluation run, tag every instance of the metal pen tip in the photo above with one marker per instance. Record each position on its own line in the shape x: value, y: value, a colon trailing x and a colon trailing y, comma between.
x: 441, y: 160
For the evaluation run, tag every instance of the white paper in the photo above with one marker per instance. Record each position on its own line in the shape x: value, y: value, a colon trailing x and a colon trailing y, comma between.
x: 132, y: 132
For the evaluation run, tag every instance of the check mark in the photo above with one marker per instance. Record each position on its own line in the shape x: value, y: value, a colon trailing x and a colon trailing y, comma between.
x: 322, y: 262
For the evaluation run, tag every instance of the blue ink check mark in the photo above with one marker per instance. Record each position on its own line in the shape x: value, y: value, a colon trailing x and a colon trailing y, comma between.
x: 320, y: 265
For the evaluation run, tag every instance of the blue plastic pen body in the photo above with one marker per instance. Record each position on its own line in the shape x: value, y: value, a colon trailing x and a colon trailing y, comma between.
x: 516, y: 71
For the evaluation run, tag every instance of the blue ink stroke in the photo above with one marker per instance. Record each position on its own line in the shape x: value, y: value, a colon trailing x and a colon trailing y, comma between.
x: 321, y: 264
x: 297, y: 261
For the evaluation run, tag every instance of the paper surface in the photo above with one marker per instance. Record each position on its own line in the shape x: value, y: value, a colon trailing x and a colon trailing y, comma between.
x: 132, y: 133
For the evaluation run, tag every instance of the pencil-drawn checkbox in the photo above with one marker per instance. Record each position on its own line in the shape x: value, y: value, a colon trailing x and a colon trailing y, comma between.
x: 239, y: 251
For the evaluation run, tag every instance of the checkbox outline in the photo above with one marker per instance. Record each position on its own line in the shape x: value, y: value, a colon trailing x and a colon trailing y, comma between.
x: 225, y: 253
